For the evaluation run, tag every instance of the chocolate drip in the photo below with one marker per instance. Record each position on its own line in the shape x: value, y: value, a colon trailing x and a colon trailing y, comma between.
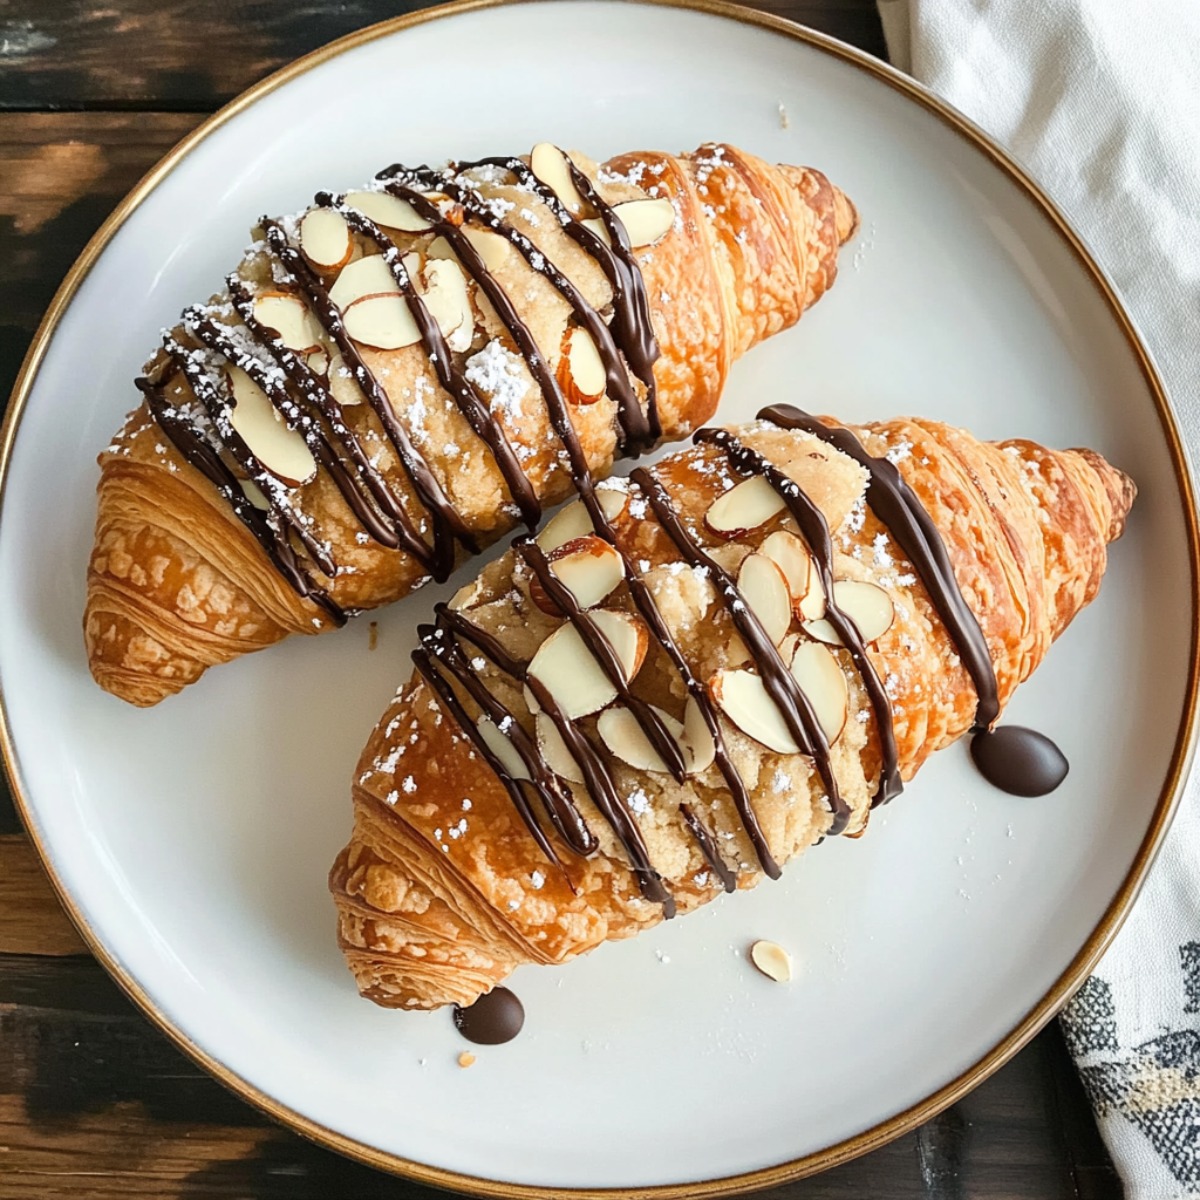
x: 898, y: 507
x: 496, y: 1017
x: 448, y: 526
x: 708, y: 847
x: 316, y: 392
x: 187, y: 438
x: 1019, y: 761
x: 789, y: 698
x: 619, y: 387
x: 815, y: 531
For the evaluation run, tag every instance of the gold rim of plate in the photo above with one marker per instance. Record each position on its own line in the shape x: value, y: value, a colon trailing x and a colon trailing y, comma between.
x: 1078, y: 969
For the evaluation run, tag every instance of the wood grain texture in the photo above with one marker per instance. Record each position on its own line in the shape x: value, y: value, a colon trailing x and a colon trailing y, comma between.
x: 94, y: 1101
x: 195, y: 55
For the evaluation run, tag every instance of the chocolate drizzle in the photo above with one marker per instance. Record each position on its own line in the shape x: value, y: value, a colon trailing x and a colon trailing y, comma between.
x: 1019, y: 761
x: 306, y: 402
x: 899, y: 508
x: 815, y: 531
x: 496, y: 1017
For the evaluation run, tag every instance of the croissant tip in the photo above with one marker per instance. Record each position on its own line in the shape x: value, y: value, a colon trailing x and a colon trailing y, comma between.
x: 846, y: 216
x: 1121, y: 489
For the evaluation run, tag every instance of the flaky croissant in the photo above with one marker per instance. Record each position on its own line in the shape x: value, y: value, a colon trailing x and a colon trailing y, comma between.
x: 404, y: 374
x: 523, y: 801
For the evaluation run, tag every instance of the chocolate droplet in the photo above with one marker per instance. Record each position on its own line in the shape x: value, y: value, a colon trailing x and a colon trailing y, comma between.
x: 1019, y: 761
x: 492, y: 1019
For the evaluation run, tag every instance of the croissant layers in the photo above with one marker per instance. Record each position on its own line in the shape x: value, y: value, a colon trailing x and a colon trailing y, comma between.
x: 399, y: 376
x: 793, y: 616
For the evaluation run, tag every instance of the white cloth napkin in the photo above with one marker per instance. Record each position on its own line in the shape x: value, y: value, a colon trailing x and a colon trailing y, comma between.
x: 1100, y: 101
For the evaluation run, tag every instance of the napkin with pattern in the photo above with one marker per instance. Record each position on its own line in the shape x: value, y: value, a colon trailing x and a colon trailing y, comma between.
x: 1100, y: 101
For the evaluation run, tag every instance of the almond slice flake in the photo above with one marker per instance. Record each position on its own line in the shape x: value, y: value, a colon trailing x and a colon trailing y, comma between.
x: 699, y: 749
x: 382, y: 321
x: 867, y: 605
x: 500, y: 745
x: 281, y: 450
x: 325, y: 239
x: 622, y: 733
x: 821, y: 680
x: 573, y: 521
x: 564, y: 665
x: 598, y: 227
x: 493, y: 248
x: 765, y: 590
x: 369, y: 276
x: 290, y: 319
x: 789, y: 553
x: 589, y: 568
x: 549, y: 164
x: 388, y: 210
x: 746, y: 506
x: 645, y: 221
x: 445, y: 296
x: 743, y: 698
x: 554, y: 750
x: 772, y: 960
x: 581, y: 373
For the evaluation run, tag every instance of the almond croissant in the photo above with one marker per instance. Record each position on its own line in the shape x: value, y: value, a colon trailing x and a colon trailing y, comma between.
x: 692, y: 676
x: 403, y: 374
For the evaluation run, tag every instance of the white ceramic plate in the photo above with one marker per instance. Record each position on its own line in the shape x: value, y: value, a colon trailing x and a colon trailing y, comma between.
x: 193, y: 840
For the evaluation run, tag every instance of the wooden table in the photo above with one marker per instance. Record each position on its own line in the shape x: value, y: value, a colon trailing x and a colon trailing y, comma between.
x: 94, y: 1102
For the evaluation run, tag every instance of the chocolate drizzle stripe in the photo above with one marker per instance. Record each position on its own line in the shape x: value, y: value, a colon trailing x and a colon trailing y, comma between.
x: 901, y: 511
x: 438, y: 560
x: 453, y: 381
x: 318, y: 395
x: 218, y: 408
x: 424, y: 664
x: 617, y: 378
x: 602, y: 651
x: 781, y: 686
x: 557, y: 800
x: 708, y: 847
x: 815, y: 532
x: 217, y: 337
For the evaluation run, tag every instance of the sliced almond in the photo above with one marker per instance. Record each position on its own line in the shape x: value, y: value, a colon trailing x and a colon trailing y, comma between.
x: 325, y: 239
x: 388, y: 210
x: 281, y: 450
x: 645, y: 221
x: 500, y: 745
x: 318, y: 361
x: 369, y: 276
x: 765, y: 591
x: 868, y: 606
x: 598, y: 227
x: 554, y: 750
x: 589, y: 568
x: 581, y: 372
x: 565, y: 666
x: 574, y: 521
x: 493, y: 248
x: 254, y: 494
x: 627, y: 635
x: 820, y: 678
x: 445, y: 295
x: 697, y: 743
x: 743, y: 698
x: 290, y: 319
x: 531, y: 702
x: 772, y: 960
x: 789, y: 553
x: 622, y: 733
x: 550, y: 165
x: 811, y: 606
x: 788, y: 647
x: 382, y: 321
x: 749, y: 504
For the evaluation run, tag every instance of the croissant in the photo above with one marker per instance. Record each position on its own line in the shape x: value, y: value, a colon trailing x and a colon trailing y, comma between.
x: 693, y: 675
x: 403, y: 374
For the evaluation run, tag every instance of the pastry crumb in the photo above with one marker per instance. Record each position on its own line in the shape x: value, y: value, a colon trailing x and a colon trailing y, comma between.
x: 466, y: 1059
x: 784, y: 121
x: 372, y: 635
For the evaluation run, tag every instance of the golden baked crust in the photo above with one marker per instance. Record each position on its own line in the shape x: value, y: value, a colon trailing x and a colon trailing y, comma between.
x: 442, y: 890
x: 177, y: 583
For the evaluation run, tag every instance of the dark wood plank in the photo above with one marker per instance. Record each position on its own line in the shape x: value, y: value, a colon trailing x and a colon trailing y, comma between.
x: 31, y: 919
x: 189, y: 55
